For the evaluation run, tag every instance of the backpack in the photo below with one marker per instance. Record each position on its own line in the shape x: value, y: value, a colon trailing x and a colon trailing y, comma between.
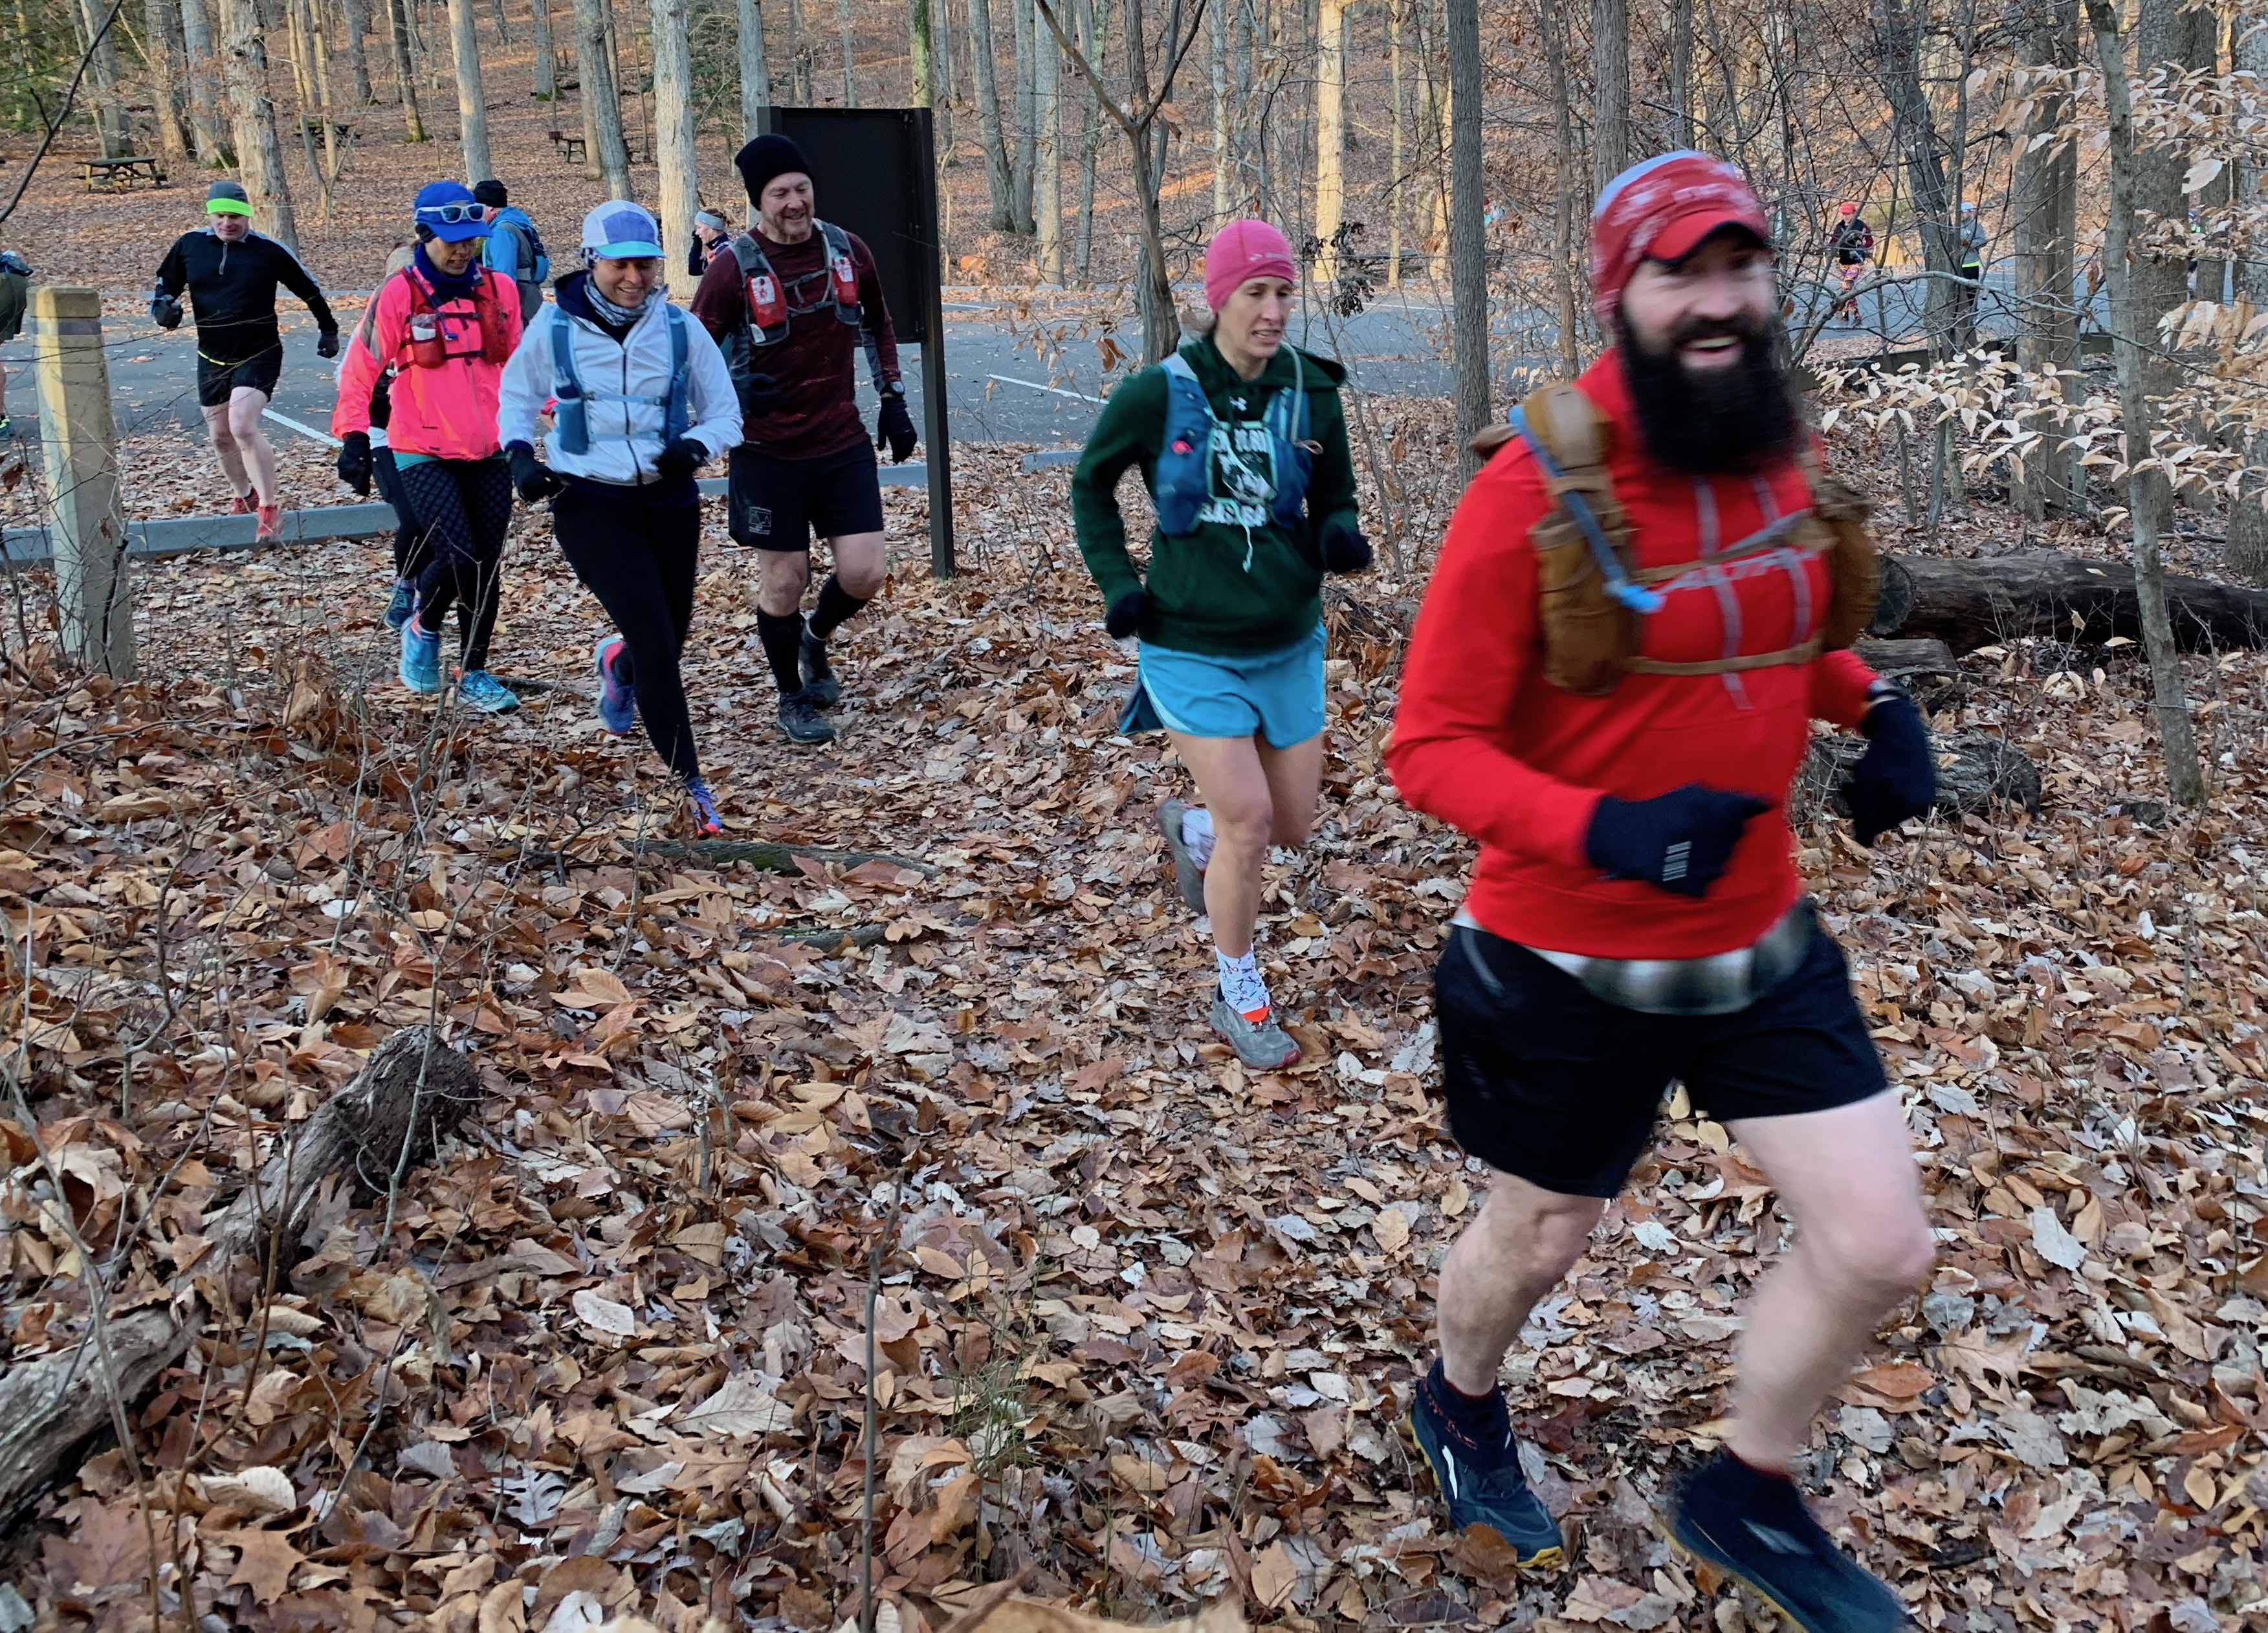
x: 1183, y: 484
x: 570, y: 424
x: 1589, y: 601
x: 535, y: 262
x: 766, y: 304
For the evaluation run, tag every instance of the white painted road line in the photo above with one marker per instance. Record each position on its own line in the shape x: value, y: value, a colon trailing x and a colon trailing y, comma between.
x: 308, y: 432
x: 1054, y: 391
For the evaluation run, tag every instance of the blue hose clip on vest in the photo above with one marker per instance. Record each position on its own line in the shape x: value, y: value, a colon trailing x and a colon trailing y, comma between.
x: 1634, y: 596
x: 571, y: 422
x: 1183, y: 483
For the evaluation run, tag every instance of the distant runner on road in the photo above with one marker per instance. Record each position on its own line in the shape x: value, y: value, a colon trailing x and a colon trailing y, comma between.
x: 230, y: 274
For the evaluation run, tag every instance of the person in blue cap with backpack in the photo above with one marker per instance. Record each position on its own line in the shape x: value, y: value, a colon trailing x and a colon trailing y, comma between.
x: 641, y: 401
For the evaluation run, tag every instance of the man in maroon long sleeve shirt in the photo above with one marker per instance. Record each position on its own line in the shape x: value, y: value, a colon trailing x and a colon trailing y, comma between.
x: 1635, y: 916
x: 792, y: 305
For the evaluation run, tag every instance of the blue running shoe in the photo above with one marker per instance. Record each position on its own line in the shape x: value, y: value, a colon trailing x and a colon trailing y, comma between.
x: 420, y: 659
x: 402, y: 604
x: 617, y: 704
x: 1753, y: 1527
x: 483, y: 691
x: 1483, y: 1485
x: 704, y: 807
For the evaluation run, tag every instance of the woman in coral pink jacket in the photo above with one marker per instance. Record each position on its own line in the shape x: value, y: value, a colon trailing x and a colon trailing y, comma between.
x: 446, y: 327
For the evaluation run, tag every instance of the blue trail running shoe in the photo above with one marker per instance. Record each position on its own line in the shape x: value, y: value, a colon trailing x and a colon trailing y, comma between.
x: 1481, y: 1483
x: 1753, y: 1527
x: 617, y: 704
x: 420, y: 659
x: 401, y: 604
x: 704, y: 807
x: 483, y: 691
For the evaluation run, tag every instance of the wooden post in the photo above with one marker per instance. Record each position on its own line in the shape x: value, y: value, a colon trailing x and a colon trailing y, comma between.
x: 80, y: 449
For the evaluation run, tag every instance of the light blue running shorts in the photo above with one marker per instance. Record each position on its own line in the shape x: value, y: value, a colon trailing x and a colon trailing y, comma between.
x: 1280, y: 695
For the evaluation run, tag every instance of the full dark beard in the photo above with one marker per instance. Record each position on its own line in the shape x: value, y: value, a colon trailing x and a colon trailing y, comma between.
x: 1730, y: 420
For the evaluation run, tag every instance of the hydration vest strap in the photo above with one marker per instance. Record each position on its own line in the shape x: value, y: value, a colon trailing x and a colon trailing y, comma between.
x: 1587, y: 521
x: 571, y: 419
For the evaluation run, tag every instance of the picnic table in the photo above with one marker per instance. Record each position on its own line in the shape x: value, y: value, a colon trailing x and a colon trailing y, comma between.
x: 345, y: 132
x: 574, y: 147
x: 107, y: 174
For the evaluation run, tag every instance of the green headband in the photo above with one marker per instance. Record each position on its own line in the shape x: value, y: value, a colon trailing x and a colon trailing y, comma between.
x: 227, y: 207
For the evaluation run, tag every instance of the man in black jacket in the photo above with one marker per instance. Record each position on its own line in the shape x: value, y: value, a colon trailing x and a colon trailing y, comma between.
x: 230, y: 273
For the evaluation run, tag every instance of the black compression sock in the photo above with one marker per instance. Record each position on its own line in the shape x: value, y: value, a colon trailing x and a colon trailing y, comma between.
x: 782, y: 635
x: 836, y: 606
x: 1483, y: 1423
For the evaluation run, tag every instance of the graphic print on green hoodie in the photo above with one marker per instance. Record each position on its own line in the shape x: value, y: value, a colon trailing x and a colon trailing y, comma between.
x: 1216, y: 590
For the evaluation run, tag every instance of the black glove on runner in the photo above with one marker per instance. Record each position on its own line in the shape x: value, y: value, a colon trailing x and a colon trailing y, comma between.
x: 355, y: 462
x: 166, y: 312
x: 1125, y: 614
x: 1345, y: 550
x: 893, y: 429
x: 532, y: 480
x: 1679, y: 841
x: 326, y: 344
x: 759, y: 393
x: 1896, y: 777
x: 682, y: 458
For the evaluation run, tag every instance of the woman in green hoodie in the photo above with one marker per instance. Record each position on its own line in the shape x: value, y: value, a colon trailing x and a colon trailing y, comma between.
x: 1242, y: 447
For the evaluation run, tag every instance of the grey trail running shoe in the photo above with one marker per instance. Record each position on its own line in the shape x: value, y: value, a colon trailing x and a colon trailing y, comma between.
x: 1187, y: 873
x: 801, y: 719
x: 1753, y: 1527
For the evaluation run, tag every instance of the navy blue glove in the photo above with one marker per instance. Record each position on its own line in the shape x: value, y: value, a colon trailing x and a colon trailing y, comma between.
x: 165, y: 311
x: 1679, y: 841
x: 1345, y: 550
x: 682, y: 458
x: 1125, y: 614
x: 1896, y: 777
x: 893, y: 429
x: 326, y: 344
x: 532, y: 480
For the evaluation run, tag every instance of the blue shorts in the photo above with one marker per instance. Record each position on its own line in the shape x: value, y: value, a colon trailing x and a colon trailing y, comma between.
x: 1280, y: 695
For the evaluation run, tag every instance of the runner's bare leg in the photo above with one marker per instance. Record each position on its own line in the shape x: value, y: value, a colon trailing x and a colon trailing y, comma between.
x: 256, y: 452
x: 1518, y: 1248
x: 223, y: 444
x: 862, y: 562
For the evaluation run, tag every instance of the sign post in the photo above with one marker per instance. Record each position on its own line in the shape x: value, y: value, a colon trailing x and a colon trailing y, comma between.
x: 79, y: 448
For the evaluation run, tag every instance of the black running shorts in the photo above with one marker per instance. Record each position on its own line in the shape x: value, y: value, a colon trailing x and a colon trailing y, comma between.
x: 1549, y: 1083
x: 779, y: 504
x: 216, y: 382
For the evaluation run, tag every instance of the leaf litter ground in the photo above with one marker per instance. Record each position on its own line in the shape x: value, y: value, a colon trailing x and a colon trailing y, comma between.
x: 1146, y: 1323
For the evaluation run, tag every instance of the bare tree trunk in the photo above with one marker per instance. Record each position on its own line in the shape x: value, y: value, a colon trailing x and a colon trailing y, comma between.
x: 1680, y: 73
x: 1468, y: 259
x: 1242, y: 127
x: 1092, y: 19
x: 1441, y: 82
x: 259, y: 153
x: 310, y: 30
x: 2184, y: 775
x: 158, y: 24
x: 1610, y: 131
x: 1553, y: 19
x: 850, y: 60
x: 208, y: 125
x: 503, y: 28
x: 1330, y: 130
x: 941, y: 77
x: 1218, y: 41
x: 924, y: 45
x: 801, y: 54
x: 358, y: 21
x: 673, y: 123
x: 101, y: 45
x: 1898, y: 57
x: 472, y: 105
x: 2247, y: 551
x: 1393, y: 208
x: 609, y: 157
x: 2165, y: 35
x: 2047, y: 335
x: 405, y: 71
x: 1027, y: 123
x: 999, y: 174
x: 547, y: 62
x: 756, y: 75
x: 1047, y: 155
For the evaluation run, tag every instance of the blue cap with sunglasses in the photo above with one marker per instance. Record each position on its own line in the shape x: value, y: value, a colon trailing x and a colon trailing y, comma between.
x: 449, y: 211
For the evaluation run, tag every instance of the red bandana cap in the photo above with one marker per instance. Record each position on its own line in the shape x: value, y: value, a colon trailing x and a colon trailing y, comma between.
x: 1660, y: 211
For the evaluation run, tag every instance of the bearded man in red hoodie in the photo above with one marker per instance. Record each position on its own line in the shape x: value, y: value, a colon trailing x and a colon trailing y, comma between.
x: 1617, y: 712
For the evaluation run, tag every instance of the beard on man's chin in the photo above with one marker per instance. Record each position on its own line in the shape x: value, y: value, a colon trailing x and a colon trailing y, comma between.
x: 1717, y: 421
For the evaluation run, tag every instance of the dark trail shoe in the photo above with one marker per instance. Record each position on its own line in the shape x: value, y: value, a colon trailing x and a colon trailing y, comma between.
x: 1187, y: 873
x: 801, y: 719
x: 1484, y: 1489
x: 821, y: 684
x: 1753, y: 1528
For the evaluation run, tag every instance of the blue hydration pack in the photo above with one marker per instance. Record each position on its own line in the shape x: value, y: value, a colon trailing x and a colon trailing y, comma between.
x: 571, y: 425
x: 1184, y: 479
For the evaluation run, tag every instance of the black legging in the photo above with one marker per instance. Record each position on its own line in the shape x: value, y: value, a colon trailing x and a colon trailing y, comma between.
x: 459, y: 510
x: 409, y: 559
x: 640, y: 561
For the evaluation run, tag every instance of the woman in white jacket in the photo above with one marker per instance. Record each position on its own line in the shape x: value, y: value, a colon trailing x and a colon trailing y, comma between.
x: 643, y: 400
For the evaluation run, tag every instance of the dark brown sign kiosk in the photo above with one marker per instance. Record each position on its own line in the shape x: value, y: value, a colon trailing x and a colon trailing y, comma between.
x: 874, y: 171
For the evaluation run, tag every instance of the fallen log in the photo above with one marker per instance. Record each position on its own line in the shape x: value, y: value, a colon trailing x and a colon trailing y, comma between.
x: 410, y: 1092
x: 1993, y: 599
x: 1973, y: 770
x: 1926, y: 668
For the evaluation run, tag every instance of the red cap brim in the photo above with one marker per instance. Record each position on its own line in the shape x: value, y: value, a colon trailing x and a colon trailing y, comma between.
x: 1681, y: 237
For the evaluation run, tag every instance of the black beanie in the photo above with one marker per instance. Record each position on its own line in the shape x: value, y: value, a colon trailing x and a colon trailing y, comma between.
x: 490, y: 193
x: 764, y: 161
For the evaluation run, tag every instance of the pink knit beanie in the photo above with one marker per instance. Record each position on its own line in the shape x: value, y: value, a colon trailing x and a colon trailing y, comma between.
x: 1241, y: 251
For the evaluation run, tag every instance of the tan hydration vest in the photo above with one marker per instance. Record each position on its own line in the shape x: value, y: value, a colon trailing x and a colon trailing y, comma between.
x: 1590, y: 599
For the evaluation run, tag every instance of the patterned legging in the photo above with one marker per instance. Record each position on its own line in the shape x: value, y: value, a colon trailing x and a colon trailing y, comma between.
x: 459, y: 510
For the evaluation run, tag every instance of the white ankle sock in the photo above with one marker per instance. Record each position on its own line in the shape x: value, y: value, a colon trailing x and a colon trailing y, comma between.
x: 1196, y: 833
x: 1240, y: 983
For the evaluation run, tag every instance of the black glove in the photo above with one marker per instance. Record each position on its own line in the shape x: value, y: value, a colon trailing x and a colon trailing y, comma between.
x: 326, y: 344
x: 682, y: 458
x: 355, y: 462
x: 1345, y: 550
x: 893, y: 429
x: 1896, y: 777
x: 1679, y: 841
x: 759, y: 393
x: 165, y: 311
x: 1125, y: 614
x: 532, y: 480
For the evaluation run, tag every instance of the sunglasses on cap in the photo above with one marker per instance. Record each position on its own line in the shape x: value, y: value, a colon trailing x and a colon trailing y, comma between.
x: 451, y: 215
